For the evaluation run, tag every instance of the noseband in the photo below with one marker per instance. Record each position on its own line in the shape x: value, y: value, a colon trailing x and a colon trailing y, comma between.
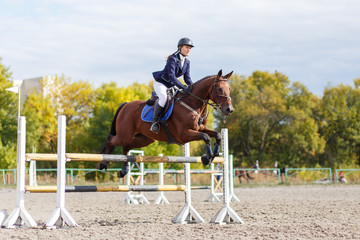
x: 206, y: 102
x: 228, y: 98
x: 213, y: 88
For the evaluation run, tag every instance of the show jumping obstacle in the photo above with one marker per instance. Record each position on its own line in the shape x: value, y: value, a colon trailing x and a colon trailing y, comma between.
x: 79, y: 157
x: 139, y: 197
x: 60, y: 215
x: 120, y: 188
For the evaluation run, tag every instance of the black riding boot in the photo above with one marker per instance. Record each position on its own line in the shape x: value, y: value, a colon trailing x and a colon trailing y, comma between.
x: 155, y: 126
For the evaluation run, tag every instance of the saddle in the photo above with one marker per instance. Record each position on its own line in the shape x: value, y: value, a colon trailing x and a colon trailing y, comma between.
x: 148, y: 111
x: 154, y: 98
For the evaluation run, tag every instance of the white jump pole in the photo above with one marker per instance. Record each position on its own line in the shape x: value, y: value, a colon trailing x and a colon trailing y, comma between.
x: 226, y: 213
x: 161, y: 199
x: 233, y: 197
x: 188, y: 214
x: 60, y: 215
x: 20, y: 215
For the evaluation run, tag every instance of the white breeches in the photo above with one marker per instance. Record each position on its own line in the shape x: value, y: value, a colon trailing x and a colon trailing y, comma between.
x: 160, y: 90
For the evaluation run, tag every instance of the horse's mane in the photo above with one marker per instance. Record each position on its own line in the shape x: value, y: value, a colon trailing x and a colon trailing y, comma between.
x: 204, y: 78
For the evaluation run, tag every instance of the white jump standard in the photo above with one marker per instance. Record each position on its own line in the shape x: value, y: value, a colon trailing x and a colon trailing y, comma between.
x: 20, y: 215
x: 60, y: 215
x: 226, y: 214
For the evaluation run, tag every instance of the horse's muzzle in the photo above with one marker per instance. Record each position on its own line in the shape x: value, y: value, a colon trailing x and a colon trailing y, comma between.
x: 227, y: 110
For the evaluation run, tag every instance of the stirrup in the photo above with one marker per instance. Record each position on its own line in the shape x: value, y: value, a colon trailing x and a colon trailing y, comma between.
x: 155, y: 127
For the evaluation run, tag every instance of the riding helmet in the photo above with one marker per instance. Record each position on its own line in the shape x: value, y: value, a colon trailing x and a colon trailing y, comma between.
x: 185, y: 41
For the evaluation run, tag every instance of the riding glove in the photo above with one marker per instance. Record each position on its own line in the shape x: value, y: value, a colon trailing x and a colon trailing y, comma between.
x: 186, y: 89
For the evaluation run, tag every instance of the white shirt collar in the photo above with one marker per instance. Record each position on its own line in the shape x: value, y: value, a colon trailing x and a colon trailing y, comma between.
x: 182, y: 59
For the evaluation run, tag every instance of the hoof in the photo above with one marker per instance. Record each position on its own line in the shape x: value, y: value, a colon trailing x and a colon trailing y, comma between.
x: 101, y: 166
x: 205, y: 161
x: 121, y: 174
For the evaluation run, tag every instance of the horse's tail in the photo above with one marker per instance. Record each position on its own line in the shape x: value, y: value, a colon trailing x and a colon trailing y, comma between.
x: 112, y: 131
x: 248, y: 175
x: 113, y: 123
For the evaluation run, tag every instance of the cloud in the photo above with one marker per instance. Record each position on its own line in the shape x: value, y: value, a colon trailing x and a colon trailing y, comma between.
x: 311, y: 41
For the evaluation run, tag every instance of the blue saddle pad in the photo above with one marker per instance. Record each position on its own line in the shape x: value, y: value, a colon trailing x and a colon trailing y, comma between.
x: 148, y: 112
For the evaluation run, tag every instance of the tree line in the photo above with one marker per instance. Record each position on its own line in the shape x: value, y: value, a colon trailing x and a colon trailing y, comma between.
x: 274, y: 120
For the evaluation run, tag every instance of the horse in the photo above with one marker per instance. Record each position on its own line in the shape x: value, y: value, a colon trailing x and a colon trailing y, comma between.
x: 187, y: 122
x: 242, y: 173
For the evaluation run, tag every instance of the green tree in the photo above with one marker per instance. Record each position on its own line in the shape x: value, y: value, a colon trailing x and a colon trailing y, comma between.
x: 58, y: 96
x: 270, y: 120
x: 41, y: 123
x: 8, y: 120
x: 340, y: 125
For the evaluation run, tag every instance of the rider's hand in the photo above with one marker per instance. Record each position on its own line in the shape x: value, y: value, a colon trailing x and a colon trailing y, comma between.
x: 186, y: 89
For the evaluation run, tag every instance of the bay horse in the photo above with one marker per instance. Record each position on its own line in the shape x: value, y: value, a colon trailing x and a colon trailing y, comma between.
x: 187, y: 122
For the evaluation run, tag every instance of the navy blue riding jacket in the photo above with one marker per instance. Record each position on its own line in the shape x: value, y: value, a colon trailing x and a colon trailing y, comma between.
x: 172, y: 71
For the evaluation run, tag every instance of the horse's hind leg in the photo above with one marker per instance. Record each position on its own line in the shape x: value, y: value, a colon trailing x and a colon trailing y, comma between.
x: 138, y: 142
x: 107, y: 149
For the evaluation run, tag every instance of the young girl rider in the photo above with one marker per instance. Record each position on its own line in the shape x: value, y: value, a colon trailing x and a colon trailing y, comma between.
x: 177, y: 65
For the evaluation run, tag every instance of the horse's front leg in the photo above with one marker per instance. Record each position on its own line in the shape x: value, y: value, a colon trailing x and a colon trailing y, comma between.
x: 192, y: 135
x: 208, y: 157
x: 217, y: 144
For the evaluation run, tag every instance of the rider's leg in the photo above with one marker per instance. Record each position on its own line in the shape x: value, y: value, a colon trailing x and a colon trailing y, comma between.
x: 155, y: 126
x: 160, y: 90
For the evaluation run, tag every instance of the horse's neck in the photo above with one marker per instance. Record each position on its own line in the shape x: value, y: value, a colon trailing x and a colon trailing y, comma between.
x: 203, y: 88
x: 202, y: 91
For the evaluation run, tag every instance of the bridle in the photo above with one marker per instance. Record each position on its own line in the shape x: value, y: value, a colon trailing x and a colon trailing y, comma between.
x: 205, y: 102
x: 213, y: 88
x: 228, y: 98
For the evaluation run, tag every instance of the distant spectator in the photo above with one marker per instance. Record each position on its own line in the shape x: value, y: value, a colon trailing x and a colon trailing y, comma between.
x: 275, y: 166
x: 256, y: 166
x: 282, y: 174
x: 342, y: 178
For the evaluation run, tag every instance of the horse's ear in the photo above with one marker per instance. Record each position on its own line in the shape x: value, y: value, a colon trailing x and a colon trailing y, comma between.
x: 227, y: 76
x: 219, y: 74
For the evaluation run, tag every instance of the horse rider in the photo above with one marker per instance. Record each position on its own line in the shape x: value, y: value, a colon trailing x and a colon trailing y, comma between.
x: 177, y: 65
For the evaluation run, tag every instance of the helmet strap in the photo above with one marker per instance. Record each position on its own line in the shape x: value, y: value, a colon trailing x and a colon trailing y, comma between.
x: 179, y: 51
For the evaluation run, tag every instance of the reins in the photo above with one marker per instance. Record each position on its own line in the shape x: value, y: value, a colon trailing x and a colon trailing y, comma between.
x: 205, y: 102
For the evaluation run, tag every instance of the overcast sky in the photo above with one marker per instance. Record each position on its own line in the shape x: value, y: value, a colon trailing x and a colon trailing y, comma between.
x: 315, y: 42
